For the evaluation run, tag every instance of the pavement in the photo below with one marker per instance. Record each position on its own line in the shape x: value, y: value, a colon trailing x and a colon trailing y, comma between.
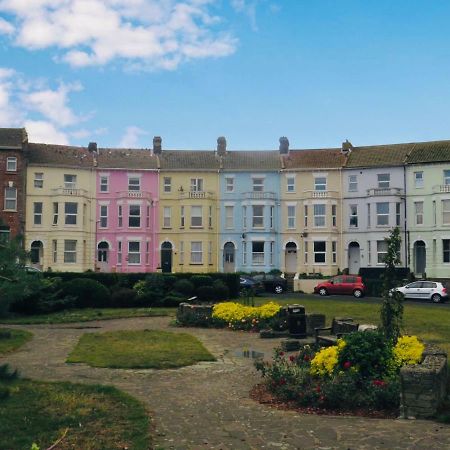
x: 207, y: 405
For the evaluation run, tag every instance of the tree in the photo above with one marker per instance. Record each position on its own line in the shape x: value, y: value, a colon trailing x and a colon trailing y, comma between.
x: 392, y: 307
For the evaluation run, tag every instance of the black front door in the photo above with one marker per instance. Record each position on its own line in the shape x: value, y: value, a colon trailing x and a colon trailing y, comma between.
x: 166, y: 257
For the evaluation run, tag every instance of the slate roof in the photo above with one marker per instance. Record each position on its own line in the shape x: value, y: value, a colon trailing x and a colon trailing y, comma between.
x: 120, y: 158
x: 379, y: 155
x: 12, y: 137
x: 188, y: 160
x: 330, y: 158
x: 59, y: 156
x: 251, y: 160
x: 429, y: 152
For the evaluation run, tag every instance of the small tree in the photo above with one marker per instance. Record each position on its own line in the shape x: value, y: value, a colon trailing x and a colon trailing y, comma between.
x: 392, y: 307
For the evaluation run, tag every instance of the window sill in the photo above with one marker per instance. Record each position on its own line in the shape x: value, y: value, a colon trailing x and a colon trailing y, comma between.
x: 196, y: 228
x: 10, y: 210
x: 165, y: 228
x: 196, y: 264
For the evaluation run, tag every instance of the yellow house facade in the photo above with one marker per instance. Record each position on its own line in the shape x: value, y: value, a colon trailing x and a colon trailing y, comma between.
x: 311, y: 211
x: 60, y: 207
x: 188, y: 211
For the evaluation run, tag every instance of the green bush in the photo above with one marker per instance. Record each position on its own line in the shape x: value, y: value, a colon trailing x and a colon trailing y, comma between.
x: 201, y: 280
x: 86, y: 293
x: 205, y: 293
x: 123, y: 298
x: 221, y: 291
x: 172, y: 301
x: 184, y: 287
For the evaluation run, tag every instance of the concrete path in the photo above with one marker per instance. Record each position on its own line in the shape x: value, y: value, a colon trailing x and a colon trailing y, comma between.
x: 207, y: 406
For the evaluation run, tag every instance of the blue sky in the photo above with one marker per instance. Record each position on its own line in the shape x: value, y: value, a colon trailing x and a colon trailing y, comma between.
x: 119, y: 72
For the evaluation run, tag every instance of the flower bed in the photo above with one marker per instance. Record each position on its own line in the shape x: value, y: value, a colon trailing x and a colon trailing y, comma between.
x: 360, y: 373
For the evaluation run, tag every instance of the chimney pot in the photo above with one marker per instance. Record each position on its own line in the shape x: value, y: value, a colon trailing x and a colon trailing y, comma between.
x: 221, y: 146
x: 284, y: 145
x: 157, y: 145
x: 92, y: 147
x: 347, y: 147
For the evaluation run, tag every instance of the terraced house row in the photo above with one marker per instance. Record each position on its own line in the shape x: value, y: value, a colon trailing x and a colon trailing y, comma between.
x: 300, y: 211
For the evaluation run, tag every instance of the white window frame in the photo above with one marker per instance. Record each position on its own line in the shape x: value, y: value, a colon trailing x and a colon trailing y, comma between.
x: 70, y: 181
x: 418, y: 179
x: 320, y: 183
x: 271, y: 252
x: 134, y: 256
x: 382, y: 249
x: 333, y: 215
x: 384, y: 183
x: 134, y: 216
x: 70, y: 216
x: 182, y: 217
x: 167, y: 182
x: 70, y: 252
x: 446, y: 251
x: 446, y: 177
x: 334, y: 252
x: 229, y: 184
x: 306, y: 251
x: 306, y: 216
x: 257, y: 256
x: 244, y: 217
x: 119, y: 253
x: 398, y: 212
x: 229, y: 217
x: 196, y: 185
x: 10, y: 203
x: 244, y: 253
x: 55, y: 250
x: 258, y: 184
x: 353, y: 216
x: 210, y: 216
x: 38, y: 180
x: 272, y: 213
x: 167, y: 217
x: 37, y: 215
x: 196, y: 216
x: 103, y: 223
x: 418, y: 213
x: 147, y: 216
x: 104, y: 183
x: 55, y: 213
x: 291, y: 216
x: 445, y: 212
x: 196, y: 252
x: 257, y: 219
x: 382, y: 217
x: 353, y: 183
x: 181, y: 253
x: 11, y: 164
x: 318, y: 253
x: 147, y: 253
x: 132, y: 185
x: 290, y: 183
x: 320, y: 216
x: 210, y: 253
x: 119, y: 216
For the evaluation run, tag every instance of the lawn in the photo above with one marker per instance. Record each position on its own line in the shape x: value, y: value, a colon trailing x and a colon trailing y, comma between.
x: 430, y: 322
x: 139, y: 349
x: 97, y: 417
x: 88, y: 314
x: 11, y: 340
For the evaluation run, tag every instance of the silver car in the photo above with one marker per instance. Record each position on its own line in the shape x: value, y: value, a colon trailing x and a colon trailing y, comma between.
x: 428, y: 290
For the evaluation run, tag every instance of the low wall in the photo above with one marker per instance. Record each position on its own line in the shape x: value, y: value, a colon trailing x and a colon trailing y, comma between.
x: 187, y: 312
x: 423, y: 386
x: 306, y: 286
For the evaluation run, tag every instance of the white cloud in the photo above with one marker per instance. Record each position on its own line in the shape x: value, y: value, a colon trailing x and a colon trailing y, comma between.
x: 44, y: 111
x: 146, y: 33
x: 247, y: 7
x: 131, y: 137
x: 6, y: 27
x: 45, y: 132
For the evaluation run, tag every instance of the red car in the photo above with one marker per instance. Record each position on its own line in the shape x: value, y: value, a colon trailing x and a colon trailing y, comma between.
x: 342, y: 284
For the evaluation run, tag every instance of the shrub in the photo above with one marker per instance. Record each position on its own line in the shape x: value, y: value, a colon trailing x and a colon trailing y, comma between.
x: 184, y: 287
x: 201, y: 280
x: 86, y: 293
x: 123, y: 298
x: 172, y: 301
x: 221, y: 291
x: 205, y: 293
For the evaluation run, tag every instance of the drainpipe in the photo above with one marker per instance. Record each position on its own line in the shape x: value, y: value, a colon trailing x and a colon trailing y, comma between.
x: 406, y: 233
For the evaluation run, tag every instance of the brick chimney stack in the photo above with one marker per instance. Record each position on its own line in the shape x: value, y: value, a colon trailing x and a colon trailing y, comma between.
x: 157, y: 145
x: 284, y: 145
x: 221, y: 146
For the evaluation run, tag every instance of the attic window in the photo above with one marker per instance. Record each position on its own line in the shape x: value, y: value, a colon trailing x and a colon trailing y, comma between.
x: 11, y: 164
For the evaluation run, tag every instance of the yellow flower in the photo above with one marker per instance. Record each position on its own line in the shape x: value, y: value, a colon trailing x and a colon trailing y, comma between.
x: 232, y: 312
x: 408, y: 350
x: 325, y: 361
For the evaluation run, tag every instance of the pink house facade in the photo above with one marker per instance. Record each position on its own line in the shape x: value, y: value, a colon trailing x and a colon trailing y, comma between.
x: 126, y: 211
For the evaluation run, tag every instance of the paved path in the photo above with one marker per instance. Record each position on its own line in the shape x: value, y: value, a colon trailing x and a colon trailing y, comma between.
x: 207, y: 406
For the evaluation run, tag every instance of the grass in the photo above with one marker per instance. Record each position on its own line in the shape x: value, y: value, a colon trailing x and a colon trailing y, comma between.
x: 11, y: 340
x: 430, y: 322
x: 97, y: 417
x: 139, y: 349
x: 87, y: 314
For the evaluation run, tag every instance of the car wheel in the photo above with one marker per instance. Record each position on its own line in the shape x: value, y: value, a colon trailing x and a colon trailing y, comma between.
x: 323, y: 292
x: 278, y: 289
x: 357, y: 293
x: 436, y: 298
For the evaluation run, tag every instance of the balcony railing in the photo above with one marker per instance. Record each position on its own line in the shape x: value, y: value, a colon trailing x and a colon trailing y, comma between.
x: 384, y: 191
x: 135, y: 194
x: 441, y: 188
x: 260, y: 195
x: 197, y: 194
x: 70, y: 191
x: 321, y: 194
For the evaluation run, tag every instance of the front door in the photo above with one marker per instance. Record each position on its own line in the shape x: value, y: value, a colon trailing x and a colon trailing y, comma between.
x: 420, y: 257
x: 228, y: 257
x: 166, y: 257
x: 354, y: 262
x: 102, y: 256
x: 291, y: 257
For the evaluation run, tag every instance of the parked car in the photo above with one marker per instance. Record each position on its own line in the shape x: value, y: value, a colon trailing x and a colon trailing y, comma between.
x: 249, y: 283
x: 272, y: 283
x: 428, y: 290
x: 342, y: 284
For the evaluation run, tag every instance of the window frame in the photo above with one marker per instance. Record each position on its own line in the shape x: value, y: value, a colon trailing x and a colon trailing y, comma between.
x: 8, y: 198
x: 72, y: 184
x: 37, y: 216
x: 384, y: 251
x: 229, y: 217
x: 167, y: 185
x: 445, y: 251
x: 198, y: 209
x: 196, y: 185
x: 445, y: 212
x: 258, y: 218
x: 134, y: 253
x: 291, y: 216
x: 104, y: 187
x: 353, y: 216
x: 290, y: 184
x: 68, y: 214
x: 70, y: 252
x: 258, y: 184
x: 320, y: 186
x: 134, y: 217
x: 418, y: 215
x: 198, y: 252
x: 319, y: 218
x: 55, y: 213
x: 350, y: 183
x: 132, y: 185
x: 167, y: 217
x: 382, y: 183
x: 318, y: 252
x: 11, y: 159
x: 417, y: 184
x: 103, y: 216
x: 382, y: 215
x: 256, y: 255
x: 229, y: 184
x: 38, y: 183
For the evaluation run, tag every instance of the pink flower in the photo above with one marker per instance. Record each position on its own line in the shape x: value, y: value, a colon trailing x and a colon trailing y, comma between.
x: 292, y: 358
x: 347, y: 365
x: 379, y: 383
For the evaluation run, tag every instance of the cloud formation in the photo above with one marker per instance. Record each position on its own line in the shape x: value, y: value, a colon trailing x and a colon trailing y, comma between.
x: 147, y: 34
x: 131, y: 137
